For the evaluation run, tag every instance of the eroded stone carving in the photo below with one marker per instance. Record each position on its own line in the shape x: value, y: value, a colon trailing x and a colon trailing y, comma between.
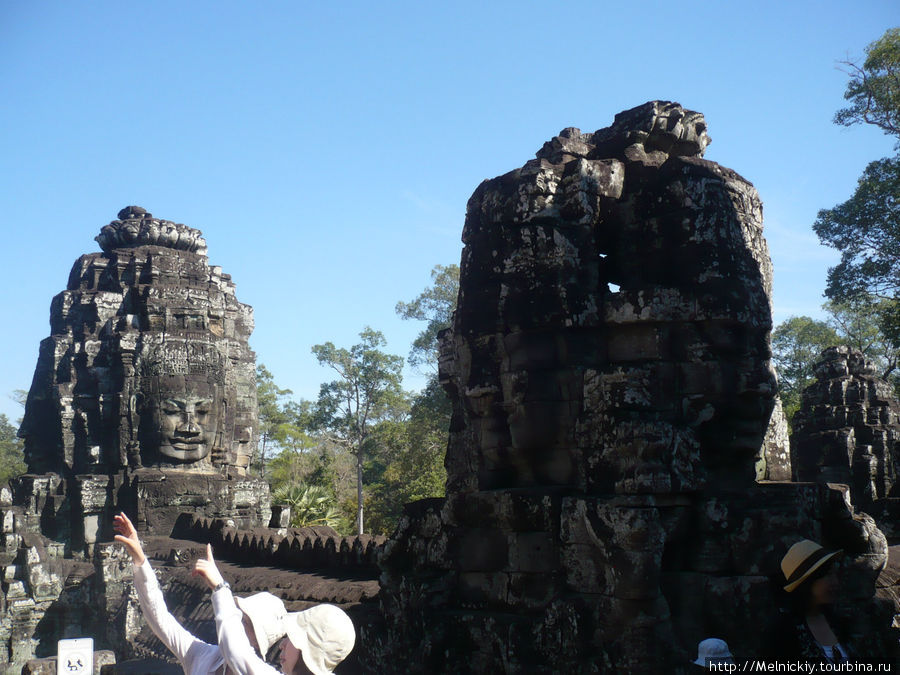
x: 143, y: 400
x: 567, y: 372
x: 847, y: 431
x: 135, y: 227
x: 181, y: 405
x: 774, y: 462
x: 609, y: 367
x: 144, y: 328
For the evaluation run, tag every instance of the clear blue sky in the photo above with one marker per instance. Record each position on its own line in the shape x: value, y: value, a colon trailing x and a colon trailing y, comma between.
x: 327, y: 150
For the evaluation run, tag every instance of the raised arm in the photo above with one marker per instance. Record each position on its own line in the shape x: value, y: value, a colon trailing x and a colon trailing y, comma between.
x: 233, y: 643
x: 128, y: 537
x: 153, y: 606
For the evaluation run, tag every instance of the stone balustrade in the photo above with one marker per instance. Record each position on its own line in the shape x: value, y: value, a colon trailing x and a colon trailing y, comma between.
x: 305, y: 548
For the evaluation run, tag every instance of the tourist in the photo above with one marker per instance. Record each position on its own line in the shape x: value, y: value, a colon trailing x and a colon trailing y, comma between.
x: 261, y: 616
x: 316, y: 641
x: 712, y: 651
x: 808, y: 632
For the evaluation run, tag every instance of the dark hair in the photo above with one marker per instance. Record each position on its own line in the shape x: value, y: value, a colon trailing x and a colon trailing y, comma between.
x: 272, y: 656
x: 800, y: 598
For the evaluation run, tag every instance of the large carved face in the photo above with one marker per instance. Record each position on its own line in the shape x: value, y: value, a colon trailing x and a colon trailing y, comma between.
x: 181, y: 417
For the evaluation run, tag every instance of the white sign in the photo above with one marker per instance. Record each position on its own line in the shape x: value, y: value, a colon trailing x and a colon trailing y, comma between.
x: 75, y: 657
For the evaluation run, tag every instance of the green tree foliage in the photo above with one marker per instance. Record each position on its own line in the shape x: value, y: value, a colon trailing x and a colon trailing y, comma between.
x: 415, y: 469
x: 301, y: 454
x: 397, y: 446
x: 272, y: 415
x: 434, y: 305
x: 327, y: 466
x: 874, y: 87
x: 866, y: 230
x: 366, y: 393
x: 311, y: 505
x: 296, y: 460
x: 12, y: 460
x: 796, y: 345
x: 866, y: 227
x: 860, y: 323
x: 421, y: 471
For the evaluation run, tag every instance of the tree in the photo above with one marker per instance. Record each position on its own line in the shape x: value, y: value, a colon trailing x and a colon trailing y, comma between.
x: 860, y: 324
x: 272, y: 414
x: 796, y: 345
x: 12, y: 458
x: 419, y: 471
x: 366, y: 392
x: 874, y: 87
x: 20, y: 396
x: 422, y: 470
x: 798, y: 342
x: 435, y: 305
x: 311, y: 505
x: 292, y: 465
x: 866, y: 230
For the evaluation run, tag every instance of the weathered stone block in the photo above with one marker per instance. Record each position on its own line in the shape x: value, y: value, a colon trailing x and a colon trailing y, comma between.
x: 530, y: 591
x: 478, y: 589
x: 532, y: 552
x: 481, y: 549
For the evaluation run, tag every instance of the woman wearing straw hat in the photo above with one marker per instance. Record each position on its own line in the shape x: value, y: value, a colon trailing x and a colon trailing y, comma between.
x: 809, y: 633
x: 260, y: 619
x: 316, y: 641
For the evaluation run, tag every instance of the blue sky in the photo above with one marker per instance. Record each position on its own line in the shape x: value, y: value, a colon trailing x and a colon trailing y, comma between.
x: 327, y: 150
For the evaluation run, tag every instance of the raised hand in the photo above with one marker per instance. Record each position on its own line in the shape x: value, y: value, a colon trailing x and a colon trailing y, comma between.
x: 206, y: 568
x: 128, y: 537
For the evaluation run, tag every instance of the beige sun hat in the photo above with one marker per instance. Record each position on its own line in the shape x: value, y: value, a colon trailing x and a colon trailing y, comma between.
x: 802, y: 559
x: 324, y: 634
x: 267, y: 615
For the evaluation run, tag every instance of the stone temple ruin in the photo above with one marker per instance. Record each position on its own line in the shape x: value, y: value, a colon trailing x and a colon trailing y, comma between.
x: 619, y: 478
x: 609, y: 365
x: 847, y: 431
x: 144, y: 394
x: 144, y: 400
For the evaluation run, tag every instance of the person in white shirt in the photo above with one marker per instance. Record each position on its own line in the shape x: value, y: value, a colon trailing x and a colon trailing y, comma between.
x: 260, y: 618
x: 316, y: 641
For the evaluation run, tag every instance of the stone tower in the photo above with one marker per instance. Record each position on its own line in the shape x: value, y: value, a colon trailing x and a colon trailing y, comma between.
x: 609, y: 367
x: 847, y: 431
x: 144, y: 395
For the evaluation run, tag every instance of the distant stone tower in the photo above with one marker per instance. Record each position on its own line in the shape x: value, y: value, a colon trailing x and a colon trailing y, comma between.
x: 847, y: 430
x: 144, y: 395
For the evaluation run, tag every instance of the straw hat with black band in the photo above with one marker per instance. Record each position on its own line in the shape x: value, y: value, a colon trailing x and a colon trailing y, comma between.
x: 802, y: 560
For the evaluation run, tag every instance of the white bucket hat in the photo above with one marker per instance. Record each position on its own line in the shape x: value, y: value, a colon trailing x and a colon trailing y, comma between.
x: 713, y: 651
x: 324, y: 634
x: 267, y: 615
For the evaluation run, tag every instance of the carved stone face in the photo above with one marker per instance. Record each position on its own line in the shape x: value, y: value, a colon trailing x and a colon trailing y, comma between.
x: 181, y: 417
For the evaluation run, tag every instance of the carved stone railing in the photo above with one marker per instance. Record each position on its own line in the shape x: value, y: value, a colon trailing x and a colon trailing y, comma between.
x: 306, y: 548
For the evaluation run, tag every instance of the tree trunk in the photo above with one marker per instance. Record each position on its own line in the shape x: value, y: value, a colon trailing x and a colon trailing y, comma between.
x: 359, y: 492
x: 261, y: 466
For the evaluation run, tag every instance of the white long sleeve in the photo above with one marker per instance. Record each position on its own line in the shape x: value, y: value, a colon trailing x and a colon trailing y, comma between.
x: 196, y: 656
x: 239, y: 655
